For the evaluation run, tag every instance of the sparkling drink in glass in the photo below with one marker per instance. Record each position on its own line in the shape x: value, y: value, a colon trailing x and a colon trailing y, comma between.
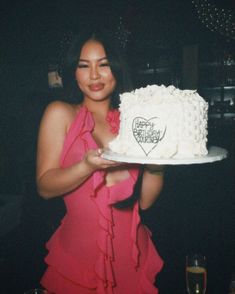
x: 196, y: 274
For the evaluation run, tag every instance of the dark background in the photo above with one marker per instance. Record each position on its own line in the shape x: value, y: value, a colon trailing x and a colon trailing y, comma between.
x: 195, y: 212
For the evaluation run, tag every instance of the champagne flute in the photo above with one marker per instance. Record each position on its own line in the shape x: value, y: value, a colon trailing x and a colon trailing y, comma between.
x: 196, y: 275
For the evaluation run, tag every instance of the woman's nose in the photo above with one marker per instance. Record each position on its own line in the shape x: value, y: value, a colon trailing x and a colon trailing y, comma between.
x: 94, y: 73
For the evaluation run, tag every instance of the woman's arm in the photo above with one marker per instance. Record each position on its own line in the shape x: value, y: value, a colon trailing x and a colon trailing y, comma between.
x: 52, y: 180
x: 152, y: 184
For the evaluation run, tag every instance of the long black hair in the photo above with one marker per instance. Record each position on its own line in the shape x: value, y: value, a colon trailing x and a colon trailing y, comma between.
x: 116, y: 58
x: 120, y: 70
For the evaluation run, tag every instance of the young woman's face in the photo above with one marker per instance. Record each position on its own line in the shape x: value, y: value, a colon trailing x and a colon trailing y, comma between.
x: 93, y: 74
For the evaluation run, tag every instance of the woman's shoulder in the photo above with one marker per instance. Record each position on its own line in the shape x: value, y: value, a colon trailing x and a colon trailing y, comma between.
x: 61, y: 111
x: 61, y: 108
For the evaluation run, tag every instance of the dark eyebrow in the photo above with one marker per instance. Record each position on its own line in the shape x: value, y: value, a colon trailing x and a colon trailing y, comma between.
x: 100, y: 59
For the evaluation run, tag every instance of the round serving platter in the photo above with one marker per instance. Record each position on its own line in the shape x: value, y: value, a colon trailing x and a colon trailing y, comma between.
x: 214, y: 154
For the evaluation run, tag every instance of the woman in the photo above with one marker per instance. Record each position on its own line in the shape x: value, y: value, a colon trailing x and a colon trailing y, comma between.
x: 98, y: 248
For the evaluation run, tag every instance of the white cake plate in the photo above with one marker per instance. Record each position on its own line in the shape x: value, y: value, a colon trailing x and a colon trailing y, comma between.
x: 214, y: 154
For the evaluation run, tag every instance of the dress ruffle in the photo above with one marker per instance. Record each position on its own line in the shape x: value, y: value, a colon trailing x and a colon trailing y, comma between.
x: 153, y: 265
x: 113, y: 118
x: 66, y: 265
x: 104, y: 197
x: 81, y: 127
x: 102, y: 278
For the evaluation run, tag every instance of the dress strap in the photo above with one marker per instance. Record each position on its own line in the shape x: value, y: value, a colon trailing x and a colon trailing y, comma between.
x: 82, y: 123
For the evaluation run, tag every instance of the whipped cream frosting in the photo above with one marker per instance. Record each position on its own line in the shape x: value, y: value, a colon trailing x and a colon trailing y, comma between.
x: 162, y: 122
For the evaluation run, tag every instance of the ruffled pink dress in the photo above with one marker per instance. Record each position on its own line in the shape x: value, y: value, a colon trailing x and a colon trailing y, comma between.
x: 98, y: 248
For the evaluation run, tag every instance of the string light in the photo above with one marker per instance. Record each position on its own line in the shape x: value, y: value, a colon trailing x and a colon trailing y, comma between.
x: 122, y: 34
x: 215, y: 19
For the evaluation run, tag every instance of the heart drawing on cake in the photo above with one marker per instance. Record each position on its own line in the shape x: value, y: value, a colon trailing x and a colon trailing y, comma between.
x: 148, y: 132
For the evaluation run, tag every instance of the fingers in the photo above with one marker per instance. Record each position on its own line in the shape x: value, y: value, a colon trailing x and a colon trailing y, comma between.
x: 99, y: 151
x: 106, y: 163
x: 94, y: 159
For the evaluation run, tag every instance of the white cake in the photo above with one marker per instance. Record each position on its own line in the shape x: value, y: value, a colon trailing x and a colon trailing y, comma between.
x: 162, y: 122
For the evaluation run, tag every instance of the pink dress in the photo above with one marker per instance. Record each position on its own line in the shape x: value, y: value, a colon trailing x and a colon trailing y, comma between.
x: 98, y: 248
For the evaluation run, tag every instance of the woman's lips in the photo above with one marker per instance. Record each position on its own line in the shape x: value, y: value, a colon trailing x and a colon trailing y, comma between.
x: 96, y: 87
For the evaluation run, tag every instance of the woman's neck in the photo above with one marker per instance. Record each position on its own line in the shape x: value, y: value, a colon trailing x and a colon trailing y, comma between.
x: 101, y: 107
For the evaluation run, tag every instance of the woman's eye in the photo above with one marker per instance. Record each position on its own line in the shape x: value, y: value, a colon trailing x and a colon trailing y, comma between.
x: 104, y: 64
x: 82, y: 65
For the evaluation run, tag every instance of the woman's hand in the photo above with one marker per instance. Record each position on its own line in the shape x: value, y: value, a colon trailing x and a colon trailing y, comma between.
x: 94, y: 161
